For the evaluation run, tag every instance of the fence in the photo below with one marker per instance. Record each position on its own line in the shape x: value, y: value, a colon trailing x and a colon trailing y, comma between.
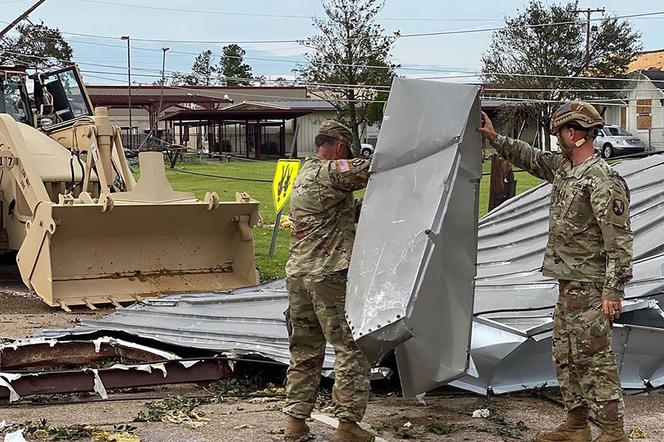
x: 655, y: 139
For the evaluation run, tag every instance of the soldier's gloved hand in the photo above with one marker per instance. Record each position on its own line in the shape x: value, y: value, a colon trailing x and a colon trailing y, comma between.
x: 486, y: 128
x: 611, y: 308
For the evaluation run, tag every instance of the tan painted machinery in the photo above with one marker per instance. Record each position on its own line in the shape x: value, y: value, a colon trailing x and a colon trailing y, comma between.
x: 85, y: 230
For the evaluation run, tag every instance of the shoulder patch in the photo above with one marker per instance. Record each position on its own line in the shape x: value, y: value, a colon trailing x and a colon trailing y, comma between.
x: 343, y: 166
x: 358, y: 162
x: 618, y: 207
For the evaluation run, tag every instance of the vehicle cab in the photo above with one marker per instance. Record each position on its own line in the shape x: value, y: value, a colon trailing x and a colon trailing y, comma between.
x: 14, y: 98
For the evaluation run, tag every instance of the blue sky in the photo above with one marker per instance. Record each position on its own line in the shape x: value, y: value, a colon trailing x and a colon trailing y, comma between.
x: 453, y: 53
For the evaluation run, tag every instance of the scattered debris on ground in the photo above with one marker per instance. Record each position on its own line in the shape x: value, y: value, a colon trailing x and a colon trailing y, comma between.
x: 45, y: 431
x: 176, y: 410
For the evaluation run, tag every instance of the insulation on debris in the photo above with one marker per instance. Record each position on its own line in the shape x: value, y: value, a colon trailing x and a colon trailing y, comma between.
x: 50, y: 366
x: 245, y: 322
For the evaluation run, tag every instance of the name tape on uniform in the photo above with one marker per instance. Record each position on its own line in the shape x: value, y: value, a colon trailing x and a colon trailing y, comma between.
x: 282, y: 185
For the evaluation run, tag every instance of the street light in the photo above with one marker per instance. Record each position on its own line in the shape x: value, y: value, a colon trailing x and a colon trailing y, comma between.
x: 161, y: 93
x: 126, y: 37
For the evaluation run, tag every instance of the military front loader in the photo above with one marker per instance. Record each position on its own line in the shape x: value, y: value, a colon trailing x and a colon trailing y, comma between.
x: 85, y: 230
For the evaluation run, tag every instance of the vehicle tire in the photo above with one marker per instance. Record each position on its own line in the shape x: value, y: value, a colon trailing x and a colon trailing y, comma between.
x: 607, y: 151
x: 366, y: 153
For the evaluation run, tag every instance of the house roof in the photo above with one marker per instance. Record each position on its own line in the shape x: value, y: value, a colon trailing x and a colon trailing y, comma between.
x: 237, y: 114
x: 656, y: 76
x: 648, y: 60
x: 283, y: 104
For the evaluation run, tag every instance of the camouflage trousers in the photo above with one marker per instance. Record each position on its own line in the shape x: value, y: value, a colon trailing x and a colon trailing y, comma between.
x: 316, y: 313
x: 585, y: 364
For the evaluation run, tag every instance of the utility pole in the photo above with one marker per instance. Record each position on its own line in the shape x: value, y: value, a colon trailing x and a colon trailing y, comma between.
x: 588, y: 13
x: 20, y: 17
x: 126, y: 37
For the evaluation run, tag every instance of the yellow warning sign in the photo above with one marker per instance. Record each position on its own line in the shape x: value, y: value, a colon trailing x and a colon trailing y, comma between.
x: 282, y: 185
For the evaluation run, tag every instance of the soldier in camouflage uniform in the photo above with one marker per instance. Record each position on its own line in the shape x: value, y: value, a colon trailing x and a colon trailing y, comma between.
x: 589, y: 251
x: 324, y: 213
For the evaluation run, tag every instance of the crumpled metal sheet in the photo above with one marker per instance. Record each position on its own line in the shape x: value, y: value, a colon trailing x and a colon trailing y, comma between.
x: 513, y: 353
x: 510, y: 290
x: 248, y: 321
x: 511, y: 346
x: 35, y: 366
x: 411, y: 276
x: 512, y: 239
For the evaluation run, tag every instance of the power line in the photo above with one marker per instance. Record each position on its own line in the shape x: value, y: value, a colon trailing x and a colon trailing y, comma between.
x: 198, y: 92
x: 308, y: 17
x: 363, y: 86
x: 471, y: 74
x: 355, y: 65
x: 397, y: 36
x: 601, y: 101
x: 275, y: 60
x: 492, y: 89
x: 348, y: 86
x: 604, y: 102
x: 310, y: 84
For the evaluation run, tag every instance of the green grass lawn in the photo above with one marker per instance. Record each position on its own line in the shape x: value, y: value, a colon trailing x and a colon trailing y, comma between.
x: 204, y: 177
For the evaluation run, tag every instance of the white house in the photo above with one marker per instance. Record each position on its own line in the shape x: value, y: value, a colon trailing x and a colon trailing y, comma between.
x: 644, y: 115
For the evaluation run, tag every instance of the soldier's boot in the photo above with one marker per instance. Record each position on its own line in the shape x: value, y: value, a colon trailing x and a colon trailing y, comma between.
x: 574, y: 429
x: 612, y: 432
x: 297, y: 430
x: 352, y: 432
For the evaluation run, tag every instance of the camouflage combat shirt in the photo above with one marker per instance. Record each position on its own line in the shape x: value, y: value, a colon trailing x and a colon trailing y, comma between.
x: 590, y: 238
x: 324, y: 213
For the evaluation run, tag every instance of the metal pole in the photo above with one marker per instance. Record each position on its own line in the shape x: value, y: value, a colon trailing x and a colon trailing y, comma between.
x: 161, y: 93
x: 273, y: 243
x: 588, y: 40
x: 20, y: 17
x: 126, y: 37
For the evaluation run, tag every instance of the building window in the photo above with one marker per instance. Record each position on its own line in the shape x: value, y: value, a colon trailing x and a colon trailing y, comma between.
x: 643, y: 114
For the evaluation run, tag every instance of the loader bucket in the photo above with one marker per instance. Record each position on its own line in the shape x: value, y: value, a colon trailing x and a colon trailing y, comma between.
x: 148, y: 241
x: 87, y: 256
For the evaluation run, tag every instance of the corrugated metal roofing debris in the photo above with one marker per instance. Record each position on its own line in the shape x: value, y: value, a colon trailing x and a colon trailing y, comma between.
x: 513, y: 352
x: 511, y: 346
x: 246, y: 321
x: 514, y: 301
x: 50, y: 366
x: 512, y: 239
x: 410, y: 284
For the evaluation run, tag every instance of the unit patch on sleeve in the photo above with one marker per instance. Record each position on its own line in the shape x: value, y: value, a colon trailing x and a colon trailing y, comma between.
x: 618, y: 207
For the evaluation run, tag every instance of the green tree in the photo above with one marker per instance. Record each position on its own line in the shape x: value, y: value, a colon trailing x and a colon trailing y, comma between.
x: 375, y: 110
x: 35, y: 45
x: 353, y: 51
x: 542, y: 54
x: 202, y: 72
x: 232, y: 69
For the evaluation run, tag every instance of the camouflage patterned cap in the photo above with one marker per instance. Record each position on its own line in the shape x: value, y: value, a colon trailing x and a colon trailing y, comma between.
x: 577, y: 112
x: 338, y: 131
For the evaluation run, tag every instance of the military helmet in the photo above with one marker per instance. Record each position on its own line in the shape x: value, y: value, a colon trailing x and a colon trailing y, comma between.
x: 578, y: 113
x: 338, y: 131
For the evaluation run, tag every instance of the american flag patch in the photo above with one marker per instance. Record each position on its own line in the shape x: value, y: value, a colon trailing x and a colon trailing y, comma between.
x: 343, y: 166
